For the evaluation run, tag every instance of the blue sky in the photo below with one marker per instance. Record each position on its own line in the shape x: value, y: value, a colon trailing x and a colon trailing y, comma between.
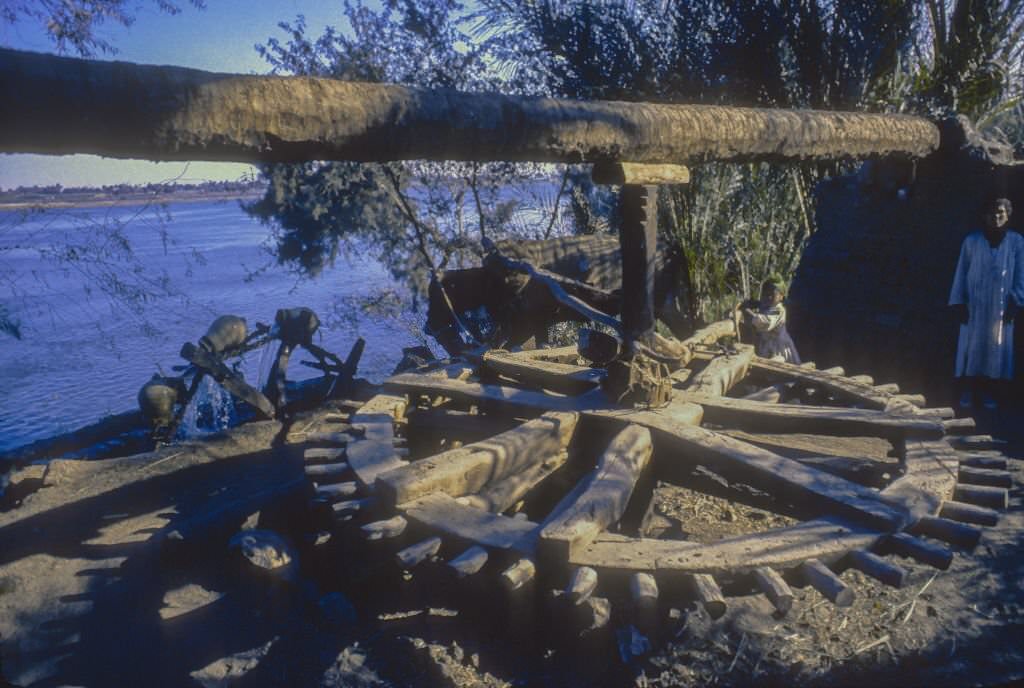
x: 219, y: 38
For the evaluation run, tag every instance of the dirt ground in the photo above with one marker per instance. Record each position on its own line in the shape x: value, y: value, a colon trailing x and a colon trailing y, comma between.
x: 101, y: 593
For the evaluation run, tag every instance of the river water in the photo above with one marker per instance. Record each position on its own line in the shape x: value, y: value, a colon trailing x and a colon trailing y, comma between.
x: 84, y: 354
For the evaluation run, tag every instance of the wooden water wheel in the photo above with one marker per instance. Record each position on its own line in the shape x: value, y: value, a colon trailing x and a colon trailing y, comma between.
x: 517, y: 469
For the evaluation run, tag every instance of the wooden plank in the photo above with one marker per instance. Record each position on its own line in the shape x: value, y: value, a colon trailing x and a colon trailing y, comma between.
x: 593, y: 404
x: 374, y: 453
x: 780, y: 549
x: 535, y: 372
x: 443, y: 514
x: 821, y: 420
x: 470, y: 468
x: 601, y: 497
x: 504, y: 494
x: 557, y: 354
x: 723, y: 372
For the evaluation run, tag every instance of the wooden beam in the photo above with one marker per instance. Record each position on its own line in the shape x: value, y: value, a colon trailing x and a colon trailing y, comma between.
x: 119, y: 109
x: 601, y: 497
x: 504, y: 494
x: 822, y: 420
x: 470, y: 468
x: 374, y: 452
x: 622, y: 173
x: 536, y: 372
x: 443, y: 514
x: 723, y: 372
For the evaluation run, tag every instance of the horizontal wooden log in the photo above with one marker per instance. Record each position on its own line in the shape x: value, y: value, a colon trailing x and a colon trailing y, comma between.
x: 118, y: 109
x: 601, y: 497
x: 985, y: 476
x: 707, y: 592
x: 774, y: 588
x: 557, y: 377
x: 957, y: 534
x: 822, y: 579
x: 822, y: 420
x: 929, y: 478
x: 620, y: 173
x: 969, y: 513
x: 414, y: 555
x: 782, y: 548
x: 982, y: 495
x: 504, y: 494
x: 877, y: 567
x: 471, y: 468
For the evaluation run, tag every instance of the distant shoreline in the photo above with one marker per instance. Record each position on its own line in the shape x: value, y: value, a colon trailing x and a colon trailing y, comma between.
x: 102, y: 202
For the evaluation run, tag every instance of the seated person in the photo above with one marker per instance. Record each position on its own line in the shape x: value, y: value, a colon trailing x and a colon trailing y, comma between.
x: 767, y: 318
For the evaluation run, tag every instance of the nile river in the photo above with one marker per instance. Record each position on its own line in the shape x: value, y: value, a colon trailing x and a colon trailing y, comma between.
x: 83, y: 354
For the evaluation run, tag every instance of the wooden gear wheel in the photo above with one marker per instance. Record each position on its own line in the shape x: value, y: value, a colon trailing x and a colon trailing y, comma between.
x: 518, y: 468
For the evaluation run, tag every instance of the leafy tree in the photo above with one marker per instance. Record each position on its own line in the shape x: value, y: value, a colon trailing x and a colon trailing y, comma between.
x: 72, y: 24
x: 417, y: 218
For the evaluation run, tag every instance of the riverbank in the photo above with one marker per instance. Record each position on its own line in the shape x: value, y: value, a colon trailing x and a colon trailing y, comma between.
x: 108, y: 201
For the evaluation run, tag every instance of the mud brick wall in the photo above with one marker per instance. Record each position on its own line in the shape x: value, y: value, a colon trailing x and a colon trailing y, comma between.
x: 871, y: 288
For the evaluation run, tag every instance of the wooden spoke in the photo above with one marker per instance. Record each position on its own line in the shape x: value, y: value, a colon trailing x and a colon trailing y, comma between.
x: 558, y: 377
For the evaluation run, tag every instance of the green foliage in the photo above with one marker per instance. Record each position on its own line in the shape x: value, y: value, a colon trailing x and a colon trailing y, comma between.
x: 72, y: 24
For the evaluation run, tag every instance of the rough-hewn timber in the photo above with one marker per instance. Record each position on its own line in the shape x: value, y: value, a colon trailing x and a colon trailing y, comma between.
x: 119, y: 109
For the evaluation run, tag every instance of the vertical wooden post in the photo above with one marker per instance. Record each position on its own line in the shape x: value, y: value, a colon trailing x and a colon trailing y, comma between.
x: 638, y: 241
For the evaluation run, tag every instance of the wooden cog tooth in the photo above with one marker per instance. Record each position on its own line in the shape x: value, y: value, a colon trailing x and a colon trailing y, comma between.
x: 774, y: 588
x: 384, y: 530
x: 582, y: 584
x: 941, y: 412
x: 970, y: 442
x: 707, y: 592
x: 825, y: 581
x: 878, y: 568
x: 958, y: 534
x: 469, y: 562
x: 985, y: 476
x: 835, y: 370
x: 323, y: 454
x: 982, y: 495
x: 325, y: 472
x: 928, y: 553
x: 337, y: 437
x: 414, y: 555
x: 863, y: 379
x: 958, y: 426
x: 518, y: 574
x: 351, y: 507
x: 998, y: 463
x: 337, y: 491
x: 912, y: 399
x: 969, y: 513
x: 888, y: 388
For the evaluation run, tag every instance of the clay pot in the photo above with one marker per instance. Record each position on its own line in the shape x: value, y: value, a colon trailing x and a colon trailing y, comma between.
x: 227, y: 332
